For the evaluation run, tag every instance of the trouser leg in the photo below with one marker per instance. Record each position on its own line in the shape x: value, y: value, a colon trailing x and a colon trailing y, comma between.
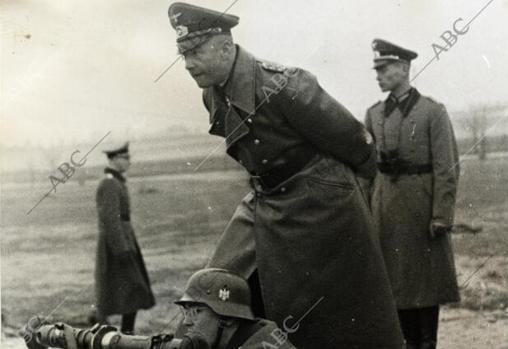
x: 258, y: 307
x: 236, y: 250
x: 408, y: 319
x: 128, y: 321
x: 429, y: 320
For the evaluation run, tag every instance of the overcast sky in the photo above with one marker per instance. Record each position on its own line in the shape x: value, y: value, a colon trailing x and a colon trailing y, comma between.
x: 74, y: 70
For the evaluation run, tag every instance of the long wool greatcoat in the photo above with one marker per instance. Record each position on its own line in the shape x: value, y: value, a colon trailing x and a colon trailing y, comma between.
x: 121, y: 282
x: 421, y: 269
x: 311, y: 237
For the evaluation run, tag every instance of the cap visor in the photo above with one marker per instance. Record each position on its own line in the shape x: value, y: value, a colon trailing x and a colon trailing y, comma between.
x: 382, y: 62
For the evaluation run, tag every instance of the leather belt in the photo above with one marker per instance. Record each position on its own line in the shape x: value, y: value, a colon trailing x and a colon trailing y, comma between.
x: 277, y: 175
x: 405, y: 169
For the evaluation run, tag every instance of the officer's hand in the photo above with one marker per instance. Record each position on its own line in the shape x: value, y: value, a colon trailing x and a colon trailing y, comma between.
x: 438, y: 229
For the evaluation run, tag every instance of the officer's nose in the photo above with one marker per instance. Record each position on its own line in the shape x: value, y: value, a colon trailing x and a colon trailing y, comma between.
x: 189, y: 64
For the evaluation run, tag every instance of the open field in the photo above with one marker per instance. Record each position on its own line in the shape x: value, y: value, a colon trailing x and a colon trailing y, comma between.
x: 47, y: 257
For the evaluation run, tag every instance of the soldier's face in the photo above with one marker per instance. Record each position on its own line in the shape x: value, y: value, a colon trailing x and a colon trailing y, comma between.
x: 206, y: 63
x: 201, y: 319
x: 390, y: 76
x: 122, y: 162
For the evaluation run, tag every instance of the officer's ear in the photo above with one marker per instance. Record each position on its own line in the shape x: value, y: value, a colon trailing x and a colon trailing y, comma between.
x: 405, y: 67
x: 227, y: 45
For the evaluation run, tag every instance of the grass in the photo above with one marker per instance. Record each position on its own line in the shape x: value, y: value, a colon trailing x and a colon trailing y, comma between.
x: 48, y: 256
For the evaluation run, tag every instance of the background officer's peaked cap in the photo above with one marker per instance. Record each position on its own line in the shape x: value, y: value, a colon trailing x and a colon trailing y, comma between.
x: 115, y: 150
x: 386, y: 52
x: 191, y: 21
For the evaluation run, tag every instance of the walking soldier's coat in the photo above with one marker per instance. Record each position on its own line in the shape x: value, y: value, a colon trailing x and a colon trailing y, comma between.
x: 421, y: 268
x: 121, y: 280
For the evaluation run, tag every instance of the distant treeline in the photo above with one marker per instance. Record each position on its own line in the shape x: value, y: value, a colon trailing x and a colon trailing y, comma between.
x: 138, y: 169
x: 491, y: 144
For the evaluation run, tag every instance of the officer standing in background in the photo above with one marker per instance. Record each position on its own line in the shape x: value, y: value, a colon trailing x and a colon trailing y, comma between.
x: 304, y: 237
x: 414, y: 195
x: 121, y: 281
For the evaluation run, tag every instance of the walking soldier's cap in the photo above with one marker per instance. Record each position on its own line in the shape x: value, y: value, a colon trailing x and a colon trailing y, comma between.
x: 117, y: 150
x: 385, y: 52
x: 194, y: 25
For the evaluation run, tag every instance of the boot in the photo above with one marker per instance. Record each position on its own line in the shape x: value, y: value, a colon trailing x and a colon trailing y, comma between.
x: 429, y: 319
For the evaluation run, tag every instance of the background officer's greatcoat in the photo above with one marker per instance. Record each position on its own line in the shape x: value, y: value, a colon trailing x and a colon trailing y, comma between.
x: 421, y: 269
x: 121, y: 281
x: 310, y: 237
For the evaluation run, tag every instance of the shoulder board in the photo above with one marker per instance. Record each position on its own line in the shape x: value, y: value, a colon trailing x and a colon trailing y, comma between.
x: 275, y: 67
x: 375, y: 104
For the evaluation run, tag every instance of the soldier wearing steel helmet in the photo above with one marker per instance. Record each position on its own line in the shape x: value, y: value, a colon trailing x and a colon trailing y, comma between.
x: 217, y: 314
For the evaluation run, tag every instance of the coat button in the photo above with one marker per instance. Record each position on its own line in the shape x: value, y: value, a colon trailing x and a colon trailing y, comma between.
x: 264, y: 161
x: 257, y: 141
x: 283, y: 189
x: 249, y: 120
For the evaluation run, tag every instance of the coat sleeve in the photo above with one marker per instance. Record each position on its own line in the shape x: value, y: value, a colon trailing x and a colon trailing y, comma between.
x: 108, y: 209
x: 368, y: 125
x: 328, y: 125
x: 445, y: 163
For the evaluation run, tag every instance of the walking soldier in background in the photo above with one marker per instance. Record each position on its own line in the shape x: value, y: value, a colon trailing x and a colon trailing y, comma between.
x: 305, y: 234
x: 414, y: 195
x: 121, y: 281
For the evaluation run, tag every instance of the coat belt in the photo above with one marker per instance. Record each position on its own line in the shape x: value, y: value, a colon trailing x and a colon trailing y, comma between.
x: 277, y: 175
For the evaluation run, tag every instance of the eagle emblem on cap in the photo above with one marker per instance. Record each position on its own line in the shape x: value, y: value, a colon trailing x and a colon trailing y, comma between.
x: 224, y: 294
x: 174, y: 17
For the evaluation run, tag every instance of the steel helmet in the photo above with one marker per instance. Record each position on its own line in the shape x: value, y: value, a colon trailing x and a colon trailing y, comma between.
x: 226, y: 293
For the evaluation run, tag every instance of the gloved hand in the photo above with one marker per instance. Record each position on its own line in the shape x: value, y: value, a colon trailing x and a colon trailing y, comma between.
x: 438, y: 229
x: 194, y: 340
x: 29, y: 331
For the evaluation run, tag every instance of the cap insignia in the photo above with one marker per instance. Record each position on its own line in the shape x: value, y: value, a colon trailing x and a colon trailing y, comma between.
x: 174, y: 17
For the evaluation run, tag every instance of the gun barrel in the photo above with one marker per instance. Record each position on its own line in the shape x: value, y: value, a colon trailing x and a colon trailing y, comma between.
x: 102, y: 337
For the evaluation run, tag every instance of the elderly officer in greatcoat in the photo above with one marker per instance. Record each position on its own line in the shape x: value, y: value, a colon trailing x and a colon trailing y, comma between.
x: 414, y: 195
x: 121, y: 280
x: 304, y: 236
